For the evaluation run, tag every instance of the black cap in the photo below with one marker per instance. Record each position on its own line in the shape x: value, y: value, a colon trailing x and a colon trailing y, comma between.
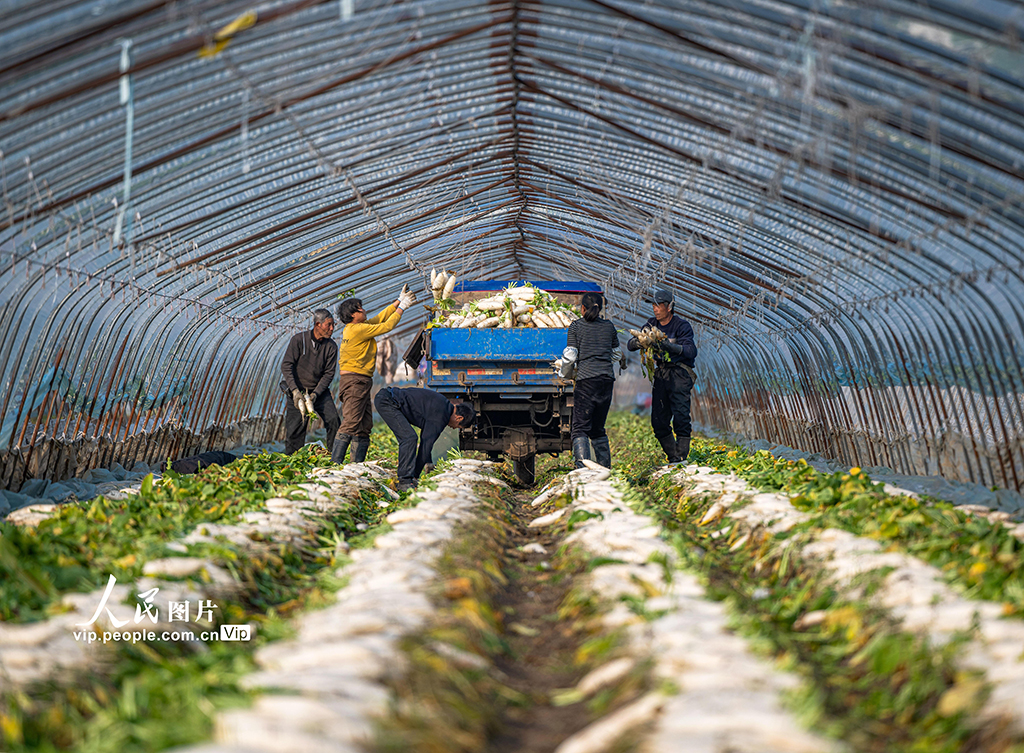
x: 662, y: 296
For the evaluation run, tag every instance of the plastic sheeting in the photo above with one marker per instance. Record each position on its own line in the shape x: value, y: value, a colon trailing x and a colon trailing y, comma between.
x: 833, y: 190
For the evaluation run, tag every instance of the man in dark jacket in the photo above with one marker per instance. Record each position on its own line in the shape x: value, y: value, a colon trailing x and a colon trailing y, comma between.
x: 404, y: 408
x: 309, y: 366
x: 673, y: 377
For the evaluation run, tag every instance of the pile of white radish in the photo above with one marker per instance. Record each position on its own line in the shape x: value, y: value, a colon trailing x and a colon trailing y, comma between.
x: 515, y: 306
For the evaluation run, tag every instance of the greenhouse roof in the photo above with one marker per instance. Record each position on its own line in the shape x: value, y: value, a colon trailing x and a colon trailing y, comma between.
x: 833, y: 190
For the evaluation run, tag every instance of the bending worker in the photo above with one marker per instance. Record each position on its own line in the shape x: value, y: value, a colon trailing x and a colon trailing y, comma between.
x: 597, y: 346
x: 356, y: 361
x: 308, y: 367
x: 404, y: 408
x: 673, y: 377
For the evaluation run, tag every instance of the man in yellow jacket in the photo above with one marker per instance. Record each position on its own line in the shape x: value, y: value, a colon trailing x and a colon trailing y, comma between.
x: 357, y: 357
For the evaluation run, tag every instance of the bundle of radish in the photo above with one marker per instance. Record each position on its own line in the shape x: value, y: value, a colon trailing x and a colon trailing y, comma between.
x: 516, y: 306
x: 310, y: 410
x: 442, y: 284
x: 649, y: 337
x: 305, y: 406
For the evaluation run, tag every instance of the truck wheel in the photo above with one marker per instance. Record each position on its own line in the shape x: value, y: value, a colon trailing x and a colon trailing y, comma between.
x: 525, y: 470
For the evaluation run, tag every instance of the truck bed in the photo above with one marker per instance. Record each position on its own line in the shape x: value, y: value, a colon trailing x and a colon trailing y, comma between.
x: 508, y: 361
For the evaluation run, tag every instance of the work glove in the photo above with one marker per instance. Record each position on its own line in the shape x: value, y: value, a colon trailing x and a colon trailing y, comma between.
x: 300, y: 401
x: 673, y: 349
x: 406, y: 298
x: 310, y: 405
x: 618, y: 355
x: 566, y: 365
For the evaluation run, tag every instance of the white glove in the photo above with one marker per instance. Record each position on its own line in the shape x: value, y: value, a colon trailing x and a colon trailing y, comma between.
x: 300, y: 402
x: 406, y: 298
x: 568, y: 365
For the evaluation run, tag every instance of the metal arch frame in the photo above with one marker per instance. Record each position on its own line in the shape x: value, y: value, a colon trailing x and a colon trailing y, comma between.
x: 763, y: 162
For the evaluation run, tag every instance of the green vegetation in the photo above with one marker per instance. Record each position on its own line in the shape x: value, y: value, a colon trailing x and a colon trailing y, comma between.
x: 449, y: 701
x: 866, y: 682
x: 84, y: 543
x: 151, y: 696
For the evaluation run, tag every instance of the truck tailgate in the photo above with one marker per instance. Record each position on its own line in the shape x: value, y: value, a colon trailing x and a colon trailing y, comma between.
x: 496, y: 344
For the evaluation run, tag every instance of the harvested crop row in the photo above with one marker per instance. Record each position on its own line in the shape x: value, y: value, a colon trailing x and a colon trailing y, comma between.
x: 751, y: 545
x: 980, y: 551
x: 341, y: 656
x: 714, y: 694
x: 80, y: 545
x: 271, y: 561
x: 911, y: 590
x: 32, y: 651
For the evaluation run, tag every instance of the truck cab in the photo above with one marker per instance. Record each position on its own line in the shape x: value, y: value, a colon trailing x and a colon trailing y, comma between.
x: 523, y: 406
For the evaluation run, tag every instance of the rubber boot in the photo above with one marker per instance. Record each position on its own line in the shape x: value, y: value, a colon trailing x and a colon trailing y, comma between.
x: 602, y: 452
x: 341, y: 443
x: 359, y: 447
x: 683, y: 448
x: 580, y: 451
x: 668, y: 444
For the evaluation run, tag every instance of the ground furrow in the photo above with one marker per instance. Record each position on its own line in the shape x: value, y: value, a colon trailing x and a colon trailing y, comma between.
x: 712, y: 693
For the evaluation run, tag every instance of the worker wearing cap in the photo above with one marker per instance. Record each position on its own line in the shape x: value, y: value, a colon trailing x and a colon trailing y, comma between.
x: 674, y: 358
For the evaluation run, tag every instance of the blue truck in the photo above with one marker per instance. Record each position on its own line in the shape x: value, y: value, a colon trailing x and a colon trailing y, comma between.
x: 524, y: 407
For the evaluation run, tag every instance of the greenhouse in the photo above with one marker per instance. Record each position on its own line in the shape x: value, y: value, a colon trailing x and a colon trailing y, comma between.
x: 830, y: 195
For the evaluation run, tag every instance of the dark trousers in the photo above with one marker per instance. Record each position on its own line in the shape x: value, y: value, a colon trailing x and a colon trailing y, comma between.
x: 592, y: 398
x: 670, y: 403
x: 295, y: 424
x: 409, y: 465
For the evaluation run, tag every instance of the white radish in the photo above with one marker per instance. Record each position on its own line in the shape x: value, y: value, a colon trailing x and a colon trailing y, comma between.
x: 521, y: 309
x: 448, y: 288
x: 489, y: 322
x: 542, y: 319
x: 491, y: 304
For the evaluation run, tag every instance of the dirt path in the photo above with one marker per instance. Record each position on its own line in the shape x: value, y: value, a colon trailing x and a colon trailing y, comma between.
x: 543, y: 647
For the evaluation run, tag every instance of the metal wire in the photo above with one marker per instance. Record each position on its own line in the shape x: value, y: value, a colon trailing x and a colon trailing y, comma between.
x: 836, y: 195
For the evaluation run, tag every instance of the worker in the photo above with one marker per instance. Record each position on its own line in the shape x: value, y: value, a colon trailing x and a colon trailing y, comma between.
x: 597, y: 347
x: 309, y: 365
x: 674, y: 376
x: 405, y: 407
x: 356, y: 361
